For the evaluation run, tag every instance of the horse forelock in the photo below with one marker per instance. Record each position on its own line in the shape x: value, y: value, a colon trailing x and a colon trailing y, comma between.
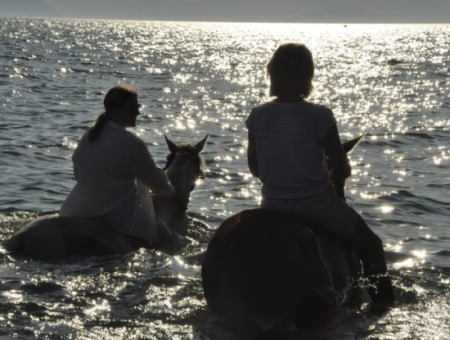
x: 186, y: 148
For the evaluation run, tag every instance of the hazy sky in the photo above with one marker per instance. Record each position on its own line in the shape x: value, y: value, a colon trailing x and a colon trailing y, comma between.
x: 237, y: 10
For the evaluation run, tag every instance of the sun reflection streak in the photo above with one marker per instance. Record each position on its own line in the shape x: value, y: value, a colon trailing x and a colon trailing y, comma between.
x: 16, y: 296
x: 409, y: 263
x: 420, y: 253
x: 99, y: 307
x: 385, y: 209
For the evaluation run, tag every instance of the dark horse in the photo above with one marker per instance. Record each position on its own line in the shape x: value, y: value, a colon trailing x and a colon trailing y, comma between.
x: 262, y: 263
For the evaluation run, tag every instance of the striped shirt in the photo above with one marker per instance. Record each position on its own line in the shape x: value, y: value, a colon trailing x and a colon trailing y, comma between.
x: 289, y: 141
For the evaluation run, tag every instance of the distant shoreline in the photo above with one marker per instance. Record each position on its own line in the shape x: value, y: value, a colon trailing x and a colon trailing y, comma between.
x: 233, y: 22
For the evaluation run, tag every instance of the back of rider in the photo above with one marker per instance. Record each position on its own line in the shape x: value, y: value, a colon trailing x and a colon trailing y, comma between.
x: 113, y: 176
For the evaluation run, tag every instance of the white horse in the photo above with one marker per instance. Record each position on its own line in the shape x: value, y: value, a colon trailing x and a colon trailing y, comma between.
x: 54, y: 237
x: 263, y: 263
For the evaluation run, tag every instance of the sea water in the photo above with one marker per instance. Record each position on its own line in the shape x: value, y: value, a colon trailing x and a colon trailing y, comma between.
x: 389, y: 82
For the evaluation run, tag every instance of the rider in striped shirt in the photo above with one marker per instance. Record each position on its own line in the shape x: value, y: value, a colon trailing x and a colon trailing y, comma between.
x: 289, y: 140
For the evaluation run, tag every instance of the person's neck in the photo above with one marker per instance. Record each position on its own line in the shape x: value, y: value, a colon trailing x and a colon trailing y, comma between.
x: 119, y: 121
x: 288, y: 100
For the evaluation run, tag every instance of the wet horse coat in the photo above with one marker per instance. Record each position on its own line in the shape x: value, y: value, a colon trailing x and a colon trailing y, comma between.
x: 262, y: 263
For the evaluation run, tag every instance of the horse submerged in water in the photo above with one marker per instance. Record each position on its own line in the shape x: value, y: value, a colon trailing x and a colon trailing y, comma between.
x: 261, y: 263
x: 54, y: 237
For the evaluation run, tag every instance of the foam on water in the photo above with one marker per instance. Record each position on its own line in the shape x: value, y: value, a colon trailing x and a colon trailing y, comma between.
x: 388, y: 81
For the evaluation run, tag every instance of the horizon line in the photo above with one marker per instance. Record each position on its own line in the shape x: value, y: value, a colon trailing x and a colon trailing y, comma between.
x: 233, y: 22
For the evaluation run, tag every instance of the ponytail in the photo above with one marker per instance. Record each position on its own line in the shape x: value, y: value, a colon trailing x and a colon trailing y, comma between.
x: 115, y: 98
x: 94, y: 131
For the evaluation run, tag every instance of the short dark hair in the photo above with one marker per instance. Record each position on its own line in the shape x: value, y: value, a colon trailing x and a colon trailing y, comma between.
x: 115, y: 98
x: 291, y: 71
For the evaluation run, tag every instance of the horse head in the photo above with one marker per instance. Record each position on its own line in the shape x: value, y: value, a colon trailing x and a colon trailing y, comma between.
x: 184, y: 166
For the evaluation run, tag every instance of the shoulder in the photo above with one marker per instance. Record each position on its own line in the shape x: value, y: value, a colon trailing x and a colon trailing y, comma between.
x: 133, y: 147
x: 134, y: 140
x: 265, y: 107
x: 123, y: 140
x: 321, y: 112
x: 307, y: 107
x: 84, y: 138
x: 317, y: 107
x: 139, y: 146
x: 117, y: 133
x: 82, y: 143
x: 260, y: 111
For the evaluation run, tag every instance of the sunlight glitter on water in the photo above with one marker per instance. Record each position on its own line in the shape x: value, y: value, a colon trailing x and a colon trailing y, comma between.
x: 405, y: 264
x: 386, y: 209
x: 420, y: 253
x: 99, y: 307
x: 196, y: 78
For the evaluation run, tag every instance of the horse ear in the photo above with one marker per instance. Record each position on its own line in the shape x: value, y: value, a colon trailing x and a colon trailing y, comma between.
x: 352, y: 143
x: 201, y: 145
x: 171, y: 146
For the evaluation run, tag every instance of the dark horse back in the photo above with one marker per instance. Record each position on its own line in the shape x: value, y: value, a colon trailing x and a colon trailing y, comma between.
x: 261, y: 262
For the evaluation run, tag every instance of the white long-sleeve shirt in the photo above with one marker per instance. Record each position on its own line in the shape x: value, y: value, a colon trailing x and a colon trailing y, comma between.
x: 113, y: 176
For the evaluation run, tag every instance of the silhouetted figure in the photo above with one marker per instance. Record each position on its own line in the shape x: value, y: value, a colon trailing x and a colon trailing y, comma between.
x: 114, y: 171
x: 289, y: 142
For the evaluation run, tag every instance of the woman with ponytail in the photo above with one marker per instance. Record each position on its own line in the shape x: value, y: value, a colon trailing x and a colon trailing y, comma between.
x: 114, y: 171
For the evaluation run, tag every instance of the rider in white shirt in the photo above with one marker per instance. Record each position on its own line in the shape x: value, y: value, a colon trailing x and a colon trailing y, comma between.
x: 114, y: 171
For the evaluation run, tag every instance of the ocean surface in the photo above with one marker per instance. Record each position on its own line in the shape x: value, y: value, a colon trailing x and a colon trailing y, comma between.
x: 390, y: 82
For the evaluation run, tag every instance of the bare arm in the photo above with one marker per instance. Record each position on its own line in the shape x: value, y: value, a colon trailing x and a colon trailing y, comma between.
x: 251, y: 156
x: 336, y: 154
